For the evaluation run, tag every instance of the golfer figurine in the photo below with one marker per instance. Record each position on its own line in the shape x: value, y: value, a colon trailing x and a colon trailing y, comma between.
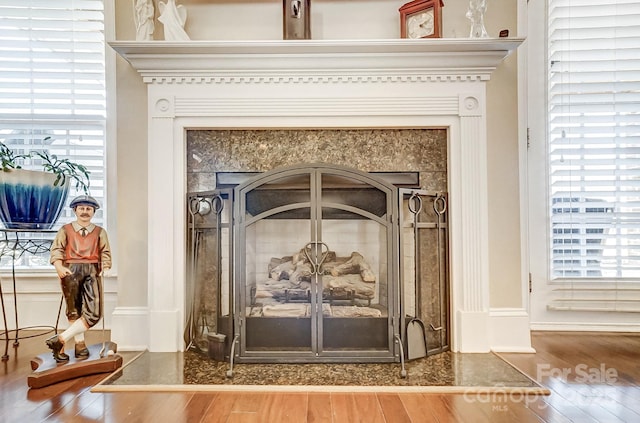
x: 80, y: 253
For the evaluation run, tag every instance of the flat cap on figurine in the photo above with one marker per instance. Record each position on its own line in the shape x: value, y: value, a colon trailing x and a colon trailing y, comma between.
x: 86, y: 200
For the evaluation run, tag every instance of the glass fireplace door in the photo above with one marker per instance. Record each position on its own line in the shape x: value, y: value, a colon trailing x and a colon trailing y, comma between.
x: 316, y: 264
x: 274, y: 285
x: 354, y: 225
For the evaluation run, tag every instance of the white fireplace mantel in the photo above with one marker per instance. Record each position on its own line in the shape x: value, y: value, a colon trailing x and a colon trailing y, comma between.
x: 314, y: 84
x: 435, y: 58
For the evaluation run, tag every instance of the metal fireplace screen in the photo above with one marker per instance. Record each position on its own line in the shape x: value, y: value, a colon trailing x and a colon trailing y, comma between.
x: 304, y: 264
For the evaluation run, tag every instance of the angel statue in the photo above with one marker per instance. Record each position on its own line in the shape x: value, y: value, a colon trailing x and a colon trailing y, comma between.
x: 477, y: 9
x: 143, y: 18
x: 173, y: 18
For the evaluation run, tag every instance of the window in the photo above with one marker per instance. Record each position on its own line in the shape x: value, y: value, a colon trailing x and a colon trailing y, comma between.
x: 594, y: 138
x: 52, y: 87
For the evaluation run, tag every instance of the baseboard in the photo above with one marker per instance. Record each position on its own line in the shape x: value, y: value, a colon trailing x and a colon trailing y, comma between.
x: 130, y: 328
x: 500, y: 330
x: 165, y: 333
x: 510, y: 330
x: 585, y: 327
x: 472, y: 332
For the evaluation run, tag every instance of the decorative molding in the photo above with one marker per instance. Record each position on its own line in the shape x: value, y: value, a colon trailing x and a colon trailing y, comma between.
x: 474, y: 245
x: 164, y: 107
x: 470, y: 106
x: 316, y: 61
x: 311, y: 79
x: 336, y: 106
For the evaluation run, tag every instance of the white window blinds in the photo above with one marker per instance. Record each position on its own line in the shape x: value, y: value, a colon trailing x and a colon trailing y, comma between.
x: 52, y: 83
x: 594, y: 139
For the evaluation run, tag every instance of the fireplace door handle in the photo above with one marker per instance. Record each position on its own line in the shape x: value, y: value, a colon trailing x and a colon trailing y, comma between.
x: 325, y: 253
x: 315, y: 263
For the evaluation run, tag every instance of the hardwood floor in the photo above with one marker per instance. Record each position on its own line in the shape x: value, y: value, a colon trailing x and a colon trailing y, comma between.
x: 593, y: 377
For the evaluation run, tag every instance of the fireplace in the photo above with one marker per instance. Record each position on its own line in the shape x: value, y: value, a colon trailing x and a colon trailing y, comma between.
x: 304, y: 263
x: 326, y: 85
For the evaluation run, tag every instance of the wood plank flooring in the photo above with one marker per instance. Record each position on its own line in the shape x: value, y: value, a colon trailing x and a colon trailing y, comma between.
x: 593, y: 377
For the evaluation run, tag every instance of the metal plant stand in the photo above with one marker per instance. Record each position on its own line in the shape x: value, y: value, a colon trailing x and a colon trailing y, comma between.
x: 14, y: 243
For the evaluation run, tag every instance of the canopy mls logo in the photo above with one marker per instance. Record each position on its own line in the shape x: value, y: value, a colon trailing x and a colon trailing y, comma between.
x: 593, y: 377
x: 501, y: 397
x: 581, y: 373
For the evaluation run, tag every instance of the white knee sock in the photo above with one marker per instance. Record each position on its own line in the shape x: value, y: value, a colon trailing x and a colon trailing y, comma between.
x: 79, y: 338
x: 76, y: 328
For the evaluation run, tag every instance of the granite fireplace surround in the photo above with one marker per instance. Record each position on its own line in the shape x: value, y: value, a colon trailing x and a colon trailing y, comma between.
x: 399, y: 88
x: 370, y: 150
x: 278, y: 304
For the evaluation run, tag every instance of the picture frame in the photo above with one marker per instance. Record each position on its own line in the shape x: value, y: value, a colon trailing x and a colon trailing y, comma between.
x: 421, y: 19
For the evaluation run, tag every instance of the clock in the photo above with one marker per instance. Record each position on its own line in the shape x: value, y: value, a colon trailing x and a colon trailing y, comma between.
x: 421, y: 19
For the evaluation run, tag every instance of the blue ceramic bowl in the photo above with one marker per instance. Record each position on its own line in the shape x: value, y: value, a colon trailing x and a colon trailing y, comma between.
x: 29, y: 200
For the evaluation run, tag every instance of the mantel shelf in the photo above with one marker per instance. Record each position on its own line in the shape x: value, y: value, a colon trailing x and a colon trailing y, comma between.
x: 451, y: 56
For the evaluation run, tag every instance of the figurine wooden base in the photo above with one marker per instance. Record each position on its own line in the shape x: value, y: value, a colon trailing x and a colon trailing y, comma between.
x: 49, y: 372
